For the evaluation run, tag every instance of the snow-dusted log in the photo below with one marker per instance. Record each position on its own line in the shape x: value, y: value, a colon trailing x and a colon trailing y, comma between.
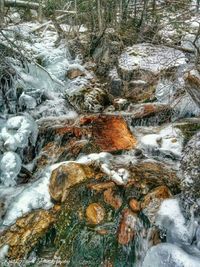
x: 19, y: 3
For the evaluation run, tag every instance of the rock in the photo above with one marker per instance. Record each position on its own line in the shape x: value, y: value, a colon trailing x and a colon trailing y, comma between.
x: 88, y: 99
x: 149, y: 58
x: 110, y: 133
x: 116, y: 87
x: 127, y: 227
x: 135, y: 205
x: 140, y: 91
x: 153, y: 200
x: 101, y: 186
x: 111, y: 199
x: 15, y: 18
x: 66, y: 176
x: 95, y: 213
x: 74, y: 73
x: 190, y: 169
x: 27, y: 231
x: 147, y: 175
x: 192, y: 79
x: 149, y: 114
x: 66, y: 142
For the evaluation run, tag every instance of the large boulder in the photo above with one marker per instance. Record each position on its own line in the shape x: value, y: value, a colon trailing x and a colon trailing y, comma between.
x: 67, y: 175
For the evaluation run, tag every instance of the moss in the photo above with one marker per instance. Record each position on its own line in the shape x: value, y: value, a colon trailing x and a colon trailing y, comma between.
x: 188, y: 129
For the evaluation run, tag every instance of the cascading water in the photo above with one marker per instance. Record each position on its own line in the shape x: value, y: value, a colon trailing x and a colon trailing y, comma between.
x: 37, y: 101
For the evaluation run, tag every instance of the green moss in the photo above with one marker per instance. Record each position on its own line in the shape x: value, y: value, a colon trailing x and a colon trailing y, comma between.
x: 188, y: 129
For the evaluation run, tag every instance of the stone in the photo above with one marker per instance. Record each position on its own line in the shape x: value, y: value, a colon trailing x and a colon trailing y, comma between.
x: 111, y: 199
x: 66, y: 176
x: 149, y: 114
x: 110, y: 132
x: 127, y: 227
x: 153, y: 200
x: 101, y: 186
x: 91, y: 99
x: 192, y: 80
x: 190, y: 170
x: 95, y: 213
x: 147, y: 175
x: 27, y: 231
x: 74, y: 73
x: 135, y: 205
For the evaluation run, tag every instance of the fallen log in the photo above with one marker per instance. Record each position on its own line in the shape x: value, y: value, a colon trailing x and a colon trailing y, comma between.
x: 23, y: 4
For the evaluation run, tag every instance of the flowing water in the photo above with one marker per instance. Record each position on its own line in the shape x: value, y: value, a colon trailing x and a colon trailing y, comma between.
x: 35, y: 98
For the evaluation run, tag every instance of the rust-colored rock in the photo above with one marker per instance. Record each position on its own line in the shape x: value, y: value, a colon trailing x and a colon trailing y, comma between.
x: 153, y: 200
x: 74, y: 73
x: 95, y: 213
x: 26, y: 232
x: 134, y: 205
x: 126, y: 230
x: 111, y: 199
x: 161, y: 192
x: 109, y: 132
x: 66, y: 176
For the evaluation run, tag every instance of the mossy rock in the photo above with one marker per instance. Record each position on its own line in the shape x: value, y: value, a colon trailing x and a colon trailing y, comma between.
x: 189, y: 128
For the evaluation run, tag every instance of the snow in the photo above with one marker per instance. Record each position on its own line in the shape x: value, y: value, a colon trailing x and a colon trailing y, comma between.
x: 150, y: 58
x: 10, y: 166
x: 17, y: 132
x: 168, y: 140
x: 3, y: 252
x: 169, y: 255
x: 34, y: 196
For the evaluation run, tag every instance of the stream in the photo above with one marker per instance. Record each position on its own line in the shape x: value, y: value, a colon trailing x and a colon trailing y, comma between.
x: 89, y: 180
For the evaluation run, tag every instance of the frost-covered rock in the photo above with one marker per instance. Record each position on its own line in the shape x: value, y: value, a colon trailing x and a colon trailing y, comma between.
x: 167, y: 141
x: 34, y: 196
x: 150, y: 58
x: 17, y: 133
x: 190, y: 168
x: 10, y: 166
x: 169, y: 255
x: 27, y: 102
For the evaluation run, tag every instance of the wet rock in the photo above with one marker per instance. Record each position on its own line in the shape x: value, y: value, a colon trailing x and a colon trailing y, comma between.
x: 127, y: 227
x: 111, y: 199
x: 153, y: 200
x: 101, y: 186
x: 141, y: 91
x: 147, y: 175
x: 150, y: 114
x: 135, y: 205
x: 95, y: 213
x: 67, y: 175
x: 89, y: 134
x: 27, y: 231
x: 190, y: 169
x: 89, y: 99
x: 110, y: 133
x: 192, y: 79
x: 74, y: 73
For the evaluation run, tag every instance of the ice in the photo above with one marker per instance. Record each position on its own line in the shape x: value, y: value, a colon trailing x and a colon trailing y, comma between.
x: 10, y: 166
x: 34, y: 196
x: 3, y: 252
x: 169, y: 255
x: 27, y: 101
x: 170, y: 218
x: 168, y: 140
x: 18, y: 131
